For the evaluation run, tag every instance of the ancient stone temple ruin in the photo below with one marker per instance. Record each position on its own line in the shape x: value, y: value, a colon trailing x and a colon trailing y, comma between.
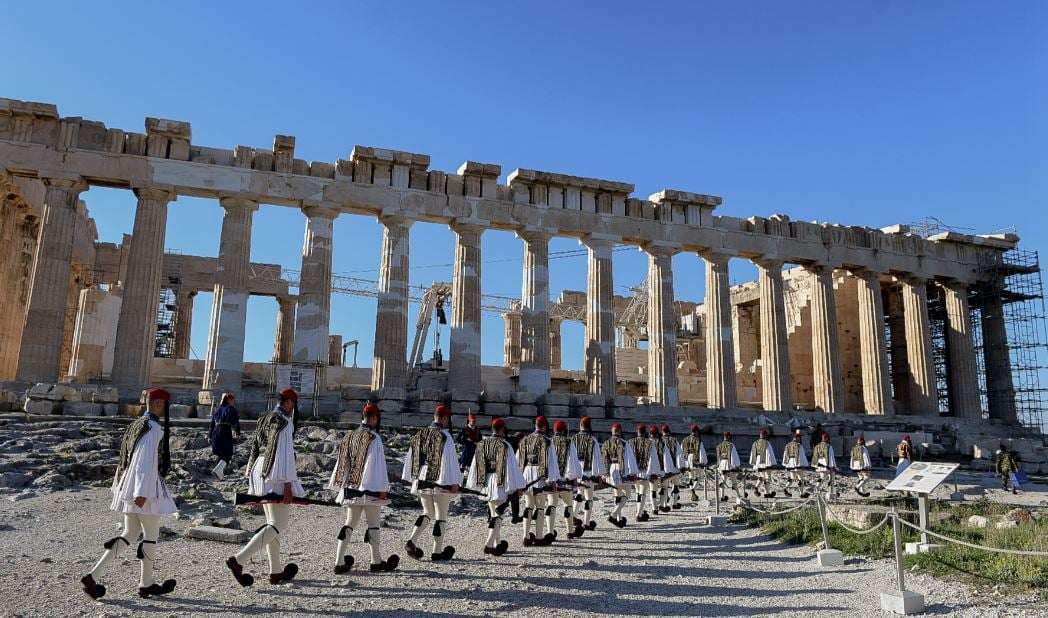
x: 844, y: 321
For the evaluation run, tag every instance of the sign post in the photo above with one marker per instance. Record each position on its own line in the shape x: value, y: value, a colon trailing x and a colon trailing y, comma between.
x: 922, y: 478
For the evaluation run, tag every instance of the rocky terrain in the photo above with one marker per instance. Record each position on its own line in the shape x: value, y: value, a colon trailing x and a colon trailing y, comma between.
x: 54, y: 479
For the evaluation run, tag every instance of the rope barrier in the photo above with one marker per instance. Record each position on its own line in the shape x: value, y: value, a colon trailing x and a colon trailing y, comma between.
x: 998, y: 550
x: 750, y: 506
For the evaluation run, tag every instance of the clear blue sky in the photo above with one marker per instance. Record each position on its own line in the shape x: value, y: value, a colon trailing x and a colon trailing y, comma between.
x: 867, y: 113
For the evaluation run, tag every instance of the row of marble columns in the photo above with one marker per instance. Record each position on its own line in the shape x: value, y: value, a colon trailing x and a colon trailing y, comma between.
x: 302, y: 332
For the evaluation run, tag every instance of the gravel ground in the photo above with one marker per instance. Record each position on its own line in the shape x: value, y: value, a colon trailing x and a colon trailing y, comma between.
x: 670, y: 566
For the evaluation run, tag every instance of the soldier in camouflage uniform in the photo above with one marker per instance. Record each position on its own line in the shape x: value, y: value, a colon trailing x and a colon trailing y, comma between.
x: 140, y: 495
x: 539, y: 464
x: 695, y: 459
x: 271, y: 470
x: 571, y: 471
x: 762, y: 459
x: 825, y: 462
x: 589, y: 452
x: 361, y: 467
x: 728, y: 463
x: 648, y: 471
x: 432, y: 458
x: 622, y: 471
x: 1007, y: 464
x: 794, y: 459
x: 495, y: 472
x: 860, y: 462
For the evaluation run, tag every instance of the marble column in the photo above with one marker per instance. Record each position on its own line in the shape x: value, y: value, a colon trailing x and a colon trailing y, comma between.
x: 924, y: 400
x: 721, y: 391
x: 775, y: 356
x: 962, y: 371
x: 184, y: 322
x: 313, y: 317
x: 600, y: 318
x: 1000, y: 389
x: 136, y: 328
x: 40, y: 352
x: 284, y: 342
x: 876, y: 381
x: 391, y: 321
x: 464, y: 365
x: 662, y: 327
x: 554, y: 343
x: 534, y: 312
x: 828, y: 379
x: 511, y: 342
x: 900, y: 364
x: 224, y: 364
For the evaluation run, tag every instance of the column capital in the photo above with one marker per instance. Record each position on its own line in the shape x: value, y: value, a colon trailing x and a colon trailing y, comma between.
x: 820, y: 267
x: 62, y: 180
x: 659, y: 248
x: 717, y: 255
x: 395, y: 221
x: 769, y: 262
x: 467, y: 227
x: 914, y: 279
x: 158, y: 194
x: 316, y: 210
x: 238, y: 203
x: 599, y: 242
x: 531, y: 235
x: 956, y: 285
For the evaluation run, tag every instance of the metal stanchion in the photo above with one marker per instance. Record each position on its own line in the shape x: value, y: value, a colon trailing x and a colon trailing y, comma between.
x: 717, y: 519
x: 901, y: 601
x: 827, y: 556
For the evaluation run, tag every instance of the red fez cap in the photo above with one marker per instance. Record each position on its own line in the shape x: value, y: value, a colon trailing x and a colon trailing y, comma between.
x: 694, y: 427
x: 372, y: 410
x: 727, y: 434
x: 541, y: 421
x: 665, y: 428
x: 653, y: 429
x: 642, y: 428
x: 825, y: 436
x: 290, y: 394
x: 158, y: 393
x: 472, y: 415
x: 560, y: 426
x: 497, y: 424
x: 443, y: 410
x: 861, y: 439
x: 763, y: 431
x: 906, y: 437
x: 584, y: 421
x: 229, y: 395
x: 616, y: 426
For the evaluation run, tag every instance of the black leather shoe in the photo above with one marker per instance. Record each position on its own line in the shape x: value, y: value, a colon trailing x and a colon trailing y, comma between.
x: 288, y: 574
x: 413, y: 551
x: 347, y: 564
x: 244, y: 579
x: 94, y: 590
x: 157, y: 589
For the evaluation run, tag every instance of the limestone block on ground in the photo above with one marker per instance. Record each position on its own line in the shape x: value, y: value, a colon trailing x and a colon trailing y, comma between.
x: 1006, y: 523
x: 42, y: 406
x: 496, y: 409
x: 54, y: 392
x: 180, y: 411
x: 495, y: 397
x: 902, y: 602
x: 524, y: 410
x: 978, y: 521
x: 933, y: 449
x: 80, y: 408
x: 221, y: 535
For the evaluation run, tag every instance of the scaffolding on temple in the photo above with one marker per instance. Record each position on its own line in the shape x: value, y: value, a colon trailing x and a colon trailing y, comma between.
x: 1015, y: 279
x: 171, y: 282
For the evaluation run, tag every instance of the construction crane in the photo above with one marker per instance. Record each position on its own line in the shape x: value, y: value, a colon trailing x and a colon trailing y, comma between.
x: 433, y: 302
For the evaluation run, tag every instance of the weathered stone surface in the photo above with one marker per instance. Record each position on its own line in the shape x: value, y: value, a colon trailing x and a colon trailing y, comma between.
x: 82, y: 409
x: 220, y: 535
x: 42, y: 406
x: 181, y: 411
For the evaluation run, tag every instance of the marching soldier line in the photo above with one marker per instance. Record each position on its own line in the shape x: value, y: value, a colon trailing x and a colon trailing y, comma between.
x: 552, y: 475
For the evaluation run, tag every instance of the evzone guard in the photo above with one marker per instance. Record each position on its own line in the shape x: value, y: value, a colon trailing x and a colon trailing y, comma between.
x: 695, y: 459
x: 762, y: 460
x: 271, y: 470
x: 361, y: 483
x: 622, y: 470
x: 728, y: 464
x: 593, y: 471
x: 794, y: 459
x: 538, y: 463
x: 648, y: 471
x: 825, y: 463
x: 562, y: 496
x: 140, y: 495
x: 495, y: 472
x: 672, y: 465
x: 860, y: 462
x: 431, y: 466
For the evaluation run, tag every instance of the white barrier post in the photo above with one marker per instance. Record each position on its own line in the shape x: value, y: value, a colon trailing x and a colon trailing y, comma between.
x: 901, y: 601
x: 827, y: 556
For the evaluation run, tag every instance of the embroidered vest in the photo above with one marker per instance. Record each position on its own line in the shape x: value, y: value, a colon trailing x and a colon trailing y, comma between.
x: 584, y: 447
x: 427, y: 446
x: 265, y: 442
x: 490, y: 458
x: 614, y: 451
x: 724, y: 452
x: 642, y: 449
x: 761, y: 448
x: 353, y: 456
x: 534, y: 451
x: 135, y: 431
